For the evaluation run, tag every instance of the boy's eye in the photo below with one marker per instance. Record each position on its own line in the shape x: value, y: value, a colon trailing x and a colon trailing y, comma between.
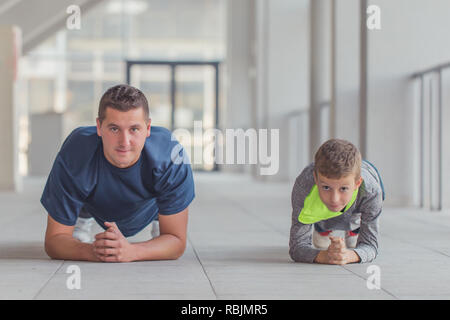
x: 326, y: 188
x: 344, y: 189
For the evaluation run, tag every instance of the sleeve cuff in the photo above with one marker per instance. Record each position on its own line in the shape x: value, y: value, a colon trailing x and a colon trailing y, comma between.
x: 179, y: 209
x: 363, y: 256
x: 55, y: 217
x: 305, y: 254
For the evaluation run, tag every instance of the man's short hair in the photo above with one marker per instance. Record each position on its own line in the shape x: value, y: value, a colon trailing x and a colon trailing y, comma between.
x: 122, y: 97
x: 337, y: 158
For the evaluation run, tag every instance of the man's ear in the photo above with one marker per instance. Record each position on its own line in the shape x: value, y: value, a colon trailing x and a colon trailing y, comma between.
x: 98, y: 127
x: 149, y: 123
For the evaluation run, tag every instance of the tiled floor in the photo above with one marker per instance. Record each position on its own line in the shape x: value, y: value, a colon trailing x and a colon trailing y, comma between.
x: 238, y: 249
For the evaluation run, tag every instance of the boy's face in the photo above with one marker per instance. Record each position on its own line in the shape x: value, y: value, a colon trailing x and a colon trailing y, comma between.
x: 336, y: 193
x: 123, y: 135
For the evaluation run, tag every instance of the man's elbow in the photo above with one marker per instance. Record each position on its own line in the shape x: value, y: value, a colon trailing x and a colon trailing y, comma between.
x: 180, y: 249
x: 53, y: 247
x: 50, y: 250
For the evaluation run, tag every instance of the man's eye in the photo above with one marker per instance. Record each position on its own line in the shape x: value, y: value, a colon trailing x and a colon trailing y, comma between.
x: 113, y: 129
x: 135, y: 129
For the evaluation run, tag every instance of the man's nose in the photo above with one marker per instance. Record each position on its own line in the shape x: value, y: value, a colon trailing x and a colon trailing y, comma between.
x: 124, y: 139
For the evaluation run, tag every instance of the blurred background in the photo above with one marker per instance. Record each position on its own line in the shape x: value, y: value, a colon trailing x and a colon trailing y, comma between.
x: 314, y: 69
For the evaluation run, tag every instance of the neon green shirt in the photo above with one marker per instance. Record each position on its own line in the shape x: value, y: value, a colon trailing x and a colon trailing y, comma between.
x: 315, y: 210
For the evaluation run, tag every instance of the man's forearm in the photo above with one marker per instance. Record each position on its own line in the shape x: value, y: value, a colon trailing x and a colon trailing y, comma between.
x: 66, y: 247
x: 164, y: 247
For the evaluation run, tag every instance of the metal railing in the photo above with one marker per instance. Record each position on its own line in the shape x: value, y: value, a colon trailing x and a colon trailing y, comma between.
x: 428, y: 79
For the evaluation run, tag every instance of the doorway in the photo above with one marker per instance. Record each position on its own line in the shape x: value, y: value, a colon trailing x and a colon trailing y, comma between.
x: 182, y: 95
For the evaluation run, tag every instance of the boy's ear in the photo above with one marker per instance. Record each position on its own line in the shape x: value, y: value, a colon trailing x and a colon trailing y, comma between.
x: 359, y: 181
x: 315, y: 177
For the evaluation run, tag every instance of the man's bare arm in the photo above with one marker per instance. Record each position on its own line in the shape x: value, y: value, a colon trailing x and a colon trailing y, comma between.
x: 112, y: 246
x: 60, y: 244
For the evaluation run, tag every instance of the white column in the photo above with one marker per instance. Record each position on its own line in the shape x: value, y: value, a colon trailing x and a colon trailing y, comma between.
x: 237, y: 68
x: 347, y: 70
x: 9, y: 53
x: 320, y: 73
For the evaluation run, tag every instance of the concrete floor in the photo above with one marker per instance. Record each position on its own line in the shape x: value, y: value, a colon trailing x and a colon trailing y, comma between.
x: 238, y: 249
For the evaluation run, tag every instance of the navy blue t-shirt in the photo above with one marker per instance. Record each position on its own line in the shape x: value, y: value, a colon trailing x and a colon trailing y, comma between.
x: 132, y: 197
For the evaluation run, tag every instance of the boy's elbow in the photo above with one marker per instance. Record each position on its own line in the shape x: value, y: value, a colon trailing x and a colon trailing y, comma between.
x: 293, y: 253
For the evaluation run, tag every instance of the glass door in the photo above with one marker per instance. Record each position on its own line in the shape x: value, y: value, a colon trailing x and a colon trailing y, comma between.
x: 155, y: 82
x: 195, y: 110
x: 183, y: 97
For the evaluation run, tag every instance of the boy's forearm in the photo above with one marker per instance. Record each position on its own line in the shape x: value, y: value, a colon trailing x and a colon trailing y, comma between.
x: 322, y: 257
x: 351, y: 257
x: 66, y: 247
x: 164, y: 247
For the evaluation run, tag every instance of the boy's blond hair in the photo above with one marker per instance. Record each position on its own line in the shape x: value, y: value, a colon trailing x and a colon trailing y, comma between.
x: 337, y: 158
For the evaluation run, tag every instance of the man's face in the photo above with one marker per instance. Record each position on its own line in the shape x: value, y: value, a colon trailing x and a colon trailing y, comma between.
x: 336, y: 193
x: 123, y: 135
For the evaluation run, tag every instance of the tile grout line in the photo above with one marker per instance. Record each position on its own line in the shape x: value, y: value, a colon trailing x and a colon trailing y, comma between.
x: 361, y: 277
x: 419, y: 245
x: 203, y: 268
x: 50, y: 278
x: 278, y: 231
x: 251, y: 214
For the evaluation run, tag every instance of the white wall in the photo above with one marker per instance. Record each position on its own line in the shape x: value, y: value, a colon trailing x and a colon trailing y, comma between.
x: 413, y: 37
x: 267, y: 71
x: 286, y: 72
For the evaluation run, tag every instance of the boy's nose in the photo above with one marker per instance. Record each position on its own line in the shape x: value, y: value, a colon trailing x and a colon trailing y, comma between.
x: 334, y: 198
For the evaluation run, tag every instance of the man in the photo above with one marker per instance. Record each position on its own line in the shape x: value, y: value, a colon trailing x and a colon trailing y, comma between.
x: 121, y: 172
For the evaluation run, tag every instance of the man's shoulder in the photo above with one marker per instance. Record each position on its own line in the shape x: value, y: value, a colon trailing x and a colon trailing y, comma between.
x: 160, y: 145
x: 80, y: 147
x: 160, y: 135
x: 81, y: 136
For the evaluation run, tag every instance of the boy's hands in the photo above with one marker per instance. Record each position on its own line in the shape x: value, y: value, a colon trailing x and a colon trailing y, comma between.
x: 112, y: 246
x: 337, y: 253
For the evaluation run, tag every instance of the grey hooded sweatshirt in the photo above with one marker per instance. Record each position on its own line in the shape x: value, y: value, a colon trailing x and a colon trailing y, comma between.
x: 364, y: 213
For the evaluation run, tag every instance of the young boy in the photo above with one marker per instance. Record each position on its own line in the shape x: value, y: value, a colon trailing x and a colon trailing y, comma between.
x: 338, y: 191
